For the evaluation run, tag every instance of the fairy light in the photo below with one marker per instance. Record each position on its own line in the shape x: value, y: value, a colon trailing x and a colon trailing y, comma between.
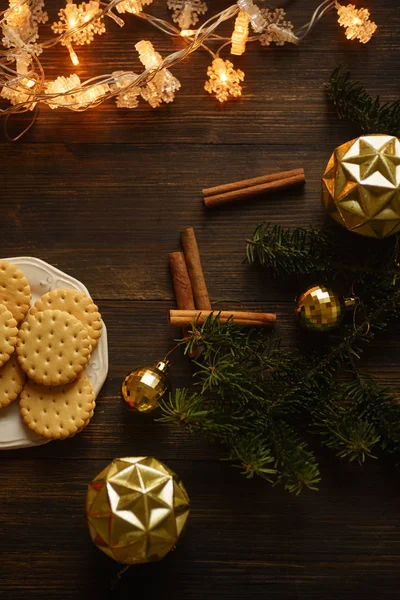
x: 356, y: 22
x: 132, y: 6
x: 257, y: 21
x: 224, y: 80
x: 186, y: 12
x: 25, y: 84
x: 240, y: 34
x: 78, y: 23
x: 188, y: 32
x: 163, y: 85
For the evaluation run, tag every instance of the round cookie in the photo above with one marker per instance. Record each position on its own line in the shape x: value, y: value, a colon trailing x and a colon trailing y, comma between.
x: 57, y: 413
x: 53, y: 347
x: 12, y: 380
x: 15, y: 292
x: 8, y: 334
x: 75, y: 303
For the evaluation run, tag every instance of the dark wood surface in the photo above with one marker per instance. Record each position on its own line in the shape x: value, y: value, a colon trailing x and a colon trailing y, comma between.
x: 103, y: 195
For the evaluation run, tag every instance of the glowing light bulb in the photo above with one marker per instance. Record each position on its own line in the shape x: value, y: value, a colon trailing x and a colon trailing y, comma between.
x: 224, y: 80
x: 240, y: 34
x: 73, y: 16
x: 188, y: 32
x: 356, y: 22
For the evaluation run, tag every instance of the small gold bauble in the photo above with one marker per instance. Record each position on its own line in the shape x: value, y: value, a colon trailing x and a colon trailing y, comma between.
x: 361, y: 185
x: 136, y: 510
x: 320, y: 309
x: 143, y: 388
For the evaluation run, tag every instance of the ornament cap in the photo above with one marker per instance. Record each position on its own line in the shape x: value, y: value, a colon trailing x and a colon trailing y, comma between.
x: 162, y: 365
x: 350, y: 302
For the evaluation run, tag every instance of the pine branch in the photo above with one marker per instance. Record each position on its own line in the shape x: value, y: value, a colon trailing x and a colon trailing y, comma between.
x: 353, y: 102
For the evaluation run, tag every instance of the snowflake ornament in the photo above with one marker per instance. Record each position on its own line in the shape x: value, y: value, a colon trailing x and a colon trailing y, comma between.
x: 163, y: 85
x: 80, y: 100
x: 224, y: 80
x: 132, y: 6
x: 240, y: 34
x: 356, y: 22
x: 186, y: 12
x: 278, y: 31
x: 128, y: 94
x: 21, y: 22
x: 256, y: 19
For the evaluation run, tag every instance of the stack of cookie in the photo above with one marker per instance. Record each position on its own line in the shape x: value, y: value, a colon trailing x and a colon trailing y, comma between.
x: 42, y: 363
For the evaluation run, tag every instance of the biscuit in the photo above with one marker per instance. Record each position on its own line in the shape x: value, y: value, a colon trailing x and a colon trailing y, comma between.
x: 75, y: 303
x: 8, y: 334
x: 12, y: 380
x: 53, y: 347
x: 15, y: 292
x: 57, y: 413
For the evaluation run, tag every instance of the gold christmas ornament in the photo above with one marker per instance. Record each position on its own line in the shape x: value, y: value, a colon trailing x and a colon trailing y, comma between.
x: 143, y: 388
x: 136, y: 510
x: 361, y: 185
x: 320, y: 309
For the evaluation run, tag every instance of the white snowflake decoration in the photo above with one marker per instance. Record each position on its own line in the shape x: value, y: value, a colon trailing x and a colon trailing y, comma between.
x: 163, y: 85
x: 356, y: 22
x: 21, y: 22
x: 186, y: 12
x: 278, y: 31
x: 126, y: 98
x: 224, y: 80
x: 132, y: 6
x: 75, y: 15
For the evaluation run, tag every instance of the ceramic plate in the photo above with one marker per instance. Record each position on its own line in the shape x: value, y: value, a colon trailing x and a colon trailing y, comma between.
x: 42, y: 278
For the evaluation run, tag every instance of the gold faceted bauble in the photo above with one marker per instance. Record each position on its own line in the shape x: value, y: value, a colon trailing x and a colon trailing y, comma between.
x: 136, y: 510
x: 361, y: 185
x: 143, y: 388
x: 320, y: 309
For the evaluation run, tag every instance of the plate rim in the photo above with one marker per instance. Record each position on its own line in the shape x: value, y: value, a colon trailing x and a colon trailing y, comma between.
x: 102, y: 346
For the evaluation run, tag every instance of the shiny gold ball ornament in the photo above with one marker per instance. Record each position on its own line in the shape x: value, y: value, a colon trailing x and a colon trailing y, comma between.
x: 136, y: 510
x: 320, y: 309
x: 361, y: 185
x: 143, y: 388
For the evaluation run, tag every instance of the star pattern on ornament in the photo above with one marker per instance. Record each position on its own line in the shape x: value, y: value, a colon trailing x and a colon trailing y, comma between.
x: 372, y: 160
x: 361, y: 185
x: 136, y: 510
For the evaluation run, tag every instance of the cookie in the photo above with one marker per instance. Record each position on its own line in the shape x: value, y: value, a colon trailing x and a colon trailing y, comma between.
x: 15, y: 292
x: 53, y: 347
x: 12, y: 380
x: 8, y: 334
x: 75, y: 303
x: 56, y: 413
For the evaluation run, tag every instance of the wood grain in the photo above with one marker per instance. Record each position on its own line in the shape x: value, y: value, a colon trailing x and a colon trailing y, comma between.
x: 103, y: 195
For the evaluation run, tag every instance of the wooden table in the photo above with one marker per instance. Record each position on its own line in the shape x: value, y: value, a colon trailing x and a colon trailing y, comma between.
x: 103, y: 195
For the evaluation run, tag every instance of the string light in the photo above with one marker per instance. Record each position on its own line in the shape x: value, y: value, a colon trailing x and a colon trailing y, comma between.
x: 25, y: 85
x: 257, y: 21
x: 163, y: 85
x: 240, y: 34
x: 356, y: 22
x: 78, y: 20
x: 132, y: 6
x: 224, y: 80
x: 186, y: 12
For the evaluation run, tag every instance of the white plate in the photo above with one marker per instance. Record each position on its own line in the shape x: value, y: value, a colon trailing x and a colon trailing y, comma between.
x: 42, y: 278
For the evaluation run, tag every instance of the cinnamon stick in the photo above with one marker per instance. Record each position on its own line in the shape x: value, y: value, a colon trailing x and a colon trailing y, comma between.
x: 184, y: 318
x: 245, y: 183
x: 275, y: 182
x: 182, y: 285
x: 192, y: 257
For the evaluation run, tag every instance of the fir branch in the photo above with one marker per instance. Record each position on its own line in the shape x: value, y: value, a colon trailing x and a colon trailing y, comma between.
x: 289, y: 252
x: 353, y: 102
